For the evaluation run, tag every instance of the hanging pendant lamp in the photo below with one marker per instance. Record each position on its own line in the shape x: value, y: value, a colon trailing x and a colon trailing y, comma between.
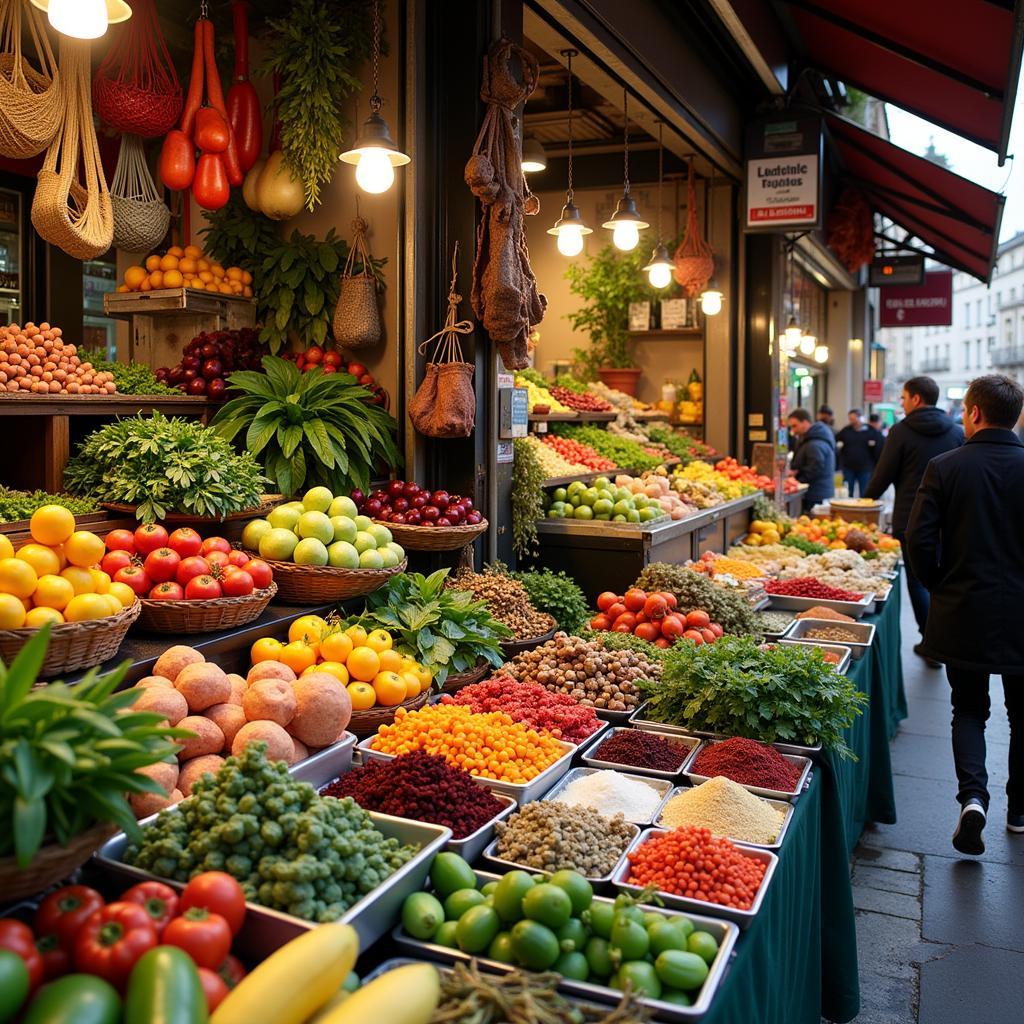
x: 821, y: 353
x: 375, y: 153
x: 84, y: 19
x: 570, y: 227
x: 659, y: 269
x: 535, y: 159
x: 625, y: 223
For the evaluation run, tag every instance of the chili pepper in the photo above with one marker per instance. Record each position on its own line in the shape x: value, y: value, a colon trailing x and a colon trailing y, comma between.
x: 63, y: 912
x: 747, y: 762
x: 159, y: 900
x: 112, y: 940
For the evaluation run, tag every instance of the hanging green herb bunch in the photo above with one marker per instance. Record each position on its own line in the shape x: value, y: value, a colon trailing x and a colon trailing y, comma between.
x: 527, y: 497
x: 236, y: 236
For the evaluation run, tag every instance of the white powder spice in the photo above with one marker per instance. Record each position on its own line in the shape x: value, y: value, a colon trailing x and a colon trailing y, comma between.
x: 612, y: 793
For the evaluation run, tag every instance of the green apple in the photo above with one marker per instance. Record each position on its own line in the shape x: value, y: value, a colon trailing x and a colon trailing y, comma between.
x: 576, y: 500
x: 553, y: 513
x: 632, y: 516
x: 363, y: 522
x: 606, y: 494
x: 317, y: 499
x: 284, y: 517
x: 315, y: 525
x: 623, y: 494
x: 388, y: 558
x: 584, y: 512
x: 343, y: 555
x: 381, y: 534
x: 619, y: 519
x: 589, y: 496
x: 365, y: 541
x: 278, y: 544
x: 343, y: 506
x: 647, y: 514
x: 602, y: 481
x: 575, y: 487
x: 641, y: 501
x: 344, y: 528
x: 371, y: 558
x: 398, y: 550
x: 621, y: 507
x: 560, y: 494
x: 603, y: 507
x: 310, y: 552
x: 253, y: 533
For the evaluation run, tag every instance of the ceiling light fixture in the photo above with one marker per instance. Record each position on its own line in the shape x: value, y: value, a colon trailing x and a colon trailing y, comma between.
x: 535, y: 159
x: 625, y: 223
x: 808, y: 343
x: 84, y: 19
x: 570, y: 228
x: 821, y: 353
x: 659, y: 269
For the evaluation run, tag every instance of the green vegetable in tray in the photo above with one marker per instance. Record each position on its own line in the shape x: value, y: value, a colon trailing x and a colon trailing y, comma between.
x: 18, y: 505
x: 808, y: 547
x: 693, y: 591
x: 682, y: 445
x: 623, y: 452
x: 557, y: 594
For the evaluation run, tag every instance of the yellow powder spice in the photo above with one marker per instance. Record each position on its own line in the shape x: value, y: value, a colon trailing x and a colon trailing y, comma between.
x: 726, y: 809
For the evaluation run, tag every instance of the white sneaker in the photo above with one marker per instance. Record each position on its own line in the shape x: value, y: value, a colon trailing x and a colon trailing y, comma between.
x: 967, y: 837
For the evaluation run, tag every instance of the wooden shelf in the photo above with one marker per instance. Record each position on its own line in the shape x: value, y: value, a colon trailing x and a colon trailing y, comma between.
x: 101, y: 405
x: 565, y: 417
x: 171, y: 302
x: 695, y: 333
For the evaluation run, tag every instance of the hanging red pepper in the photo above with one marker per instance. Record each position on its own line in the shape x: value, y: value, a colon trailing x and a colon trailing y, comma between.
x: 216, y: 96
x: 177, y: 155
x: 213, y: 133
x: 211, y: 187
x: 243, y: 104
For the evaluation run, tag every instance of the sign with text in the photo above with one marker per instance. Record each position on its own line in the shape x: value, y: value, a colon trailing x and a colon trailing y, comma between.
x: 926, y: 305
x: 885, y: 271
x: 872, y: 391
x: 784, y: 174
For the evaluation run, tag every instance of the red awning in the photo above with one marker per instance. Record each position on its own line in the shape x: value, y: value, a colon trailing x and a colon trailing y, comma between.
x: 952, y: 215
x: 953, y: 62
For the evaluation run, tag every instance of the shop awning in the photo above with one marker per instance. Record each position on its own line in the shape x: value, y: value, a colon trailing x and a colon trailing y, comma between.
x: 954, y: 216
x: 953, y: 62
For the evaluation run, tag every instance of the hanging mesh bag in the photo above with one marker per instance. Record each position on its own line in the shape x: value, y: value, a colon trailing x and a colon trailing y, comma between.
x: 141, y: 217
x: 694, y: 259
x: 136, y: 88
x: 31, y: 105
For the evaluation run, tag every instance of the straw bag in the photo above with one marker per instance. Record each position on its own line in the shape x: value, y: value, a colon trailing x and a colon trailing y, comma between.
x: 76, y: 218
x: 141, y: 217
x: 31, y: 105
x: 357, y: 315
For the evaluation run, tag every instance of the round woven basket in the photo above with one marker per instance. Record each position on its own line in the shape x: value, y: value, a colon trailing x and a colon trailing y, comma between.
x: 455, y: 683
x: 52, y: 863
x: 74, y: 644
x: 321, y: 584
x: 204, y: 616
x: 435, y: 538
x: 268, y: 502
x: 510, y: 648
x: 365, y: 723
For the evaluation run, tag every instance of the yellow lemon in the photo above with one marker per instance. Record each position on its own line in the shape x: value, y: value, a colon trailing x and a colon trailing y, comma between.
x: 12, y: 612
x: 51, y: 524
x: 17, y: 577
x: 41, y: 616
x: 83, y: 548
x: 87, y: 606
x: 379, y: 640
x: 43, y: 559
x: 100, y: 581
x: 53, y: 592
x: 123, y: 593
x: 81, y: 579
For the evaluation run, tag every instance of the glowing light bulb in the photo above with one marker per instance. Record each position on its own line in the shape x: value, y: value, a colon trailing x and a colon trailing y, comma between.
x: 808, y: 343
x: 80, y: 19
x: 626, y: 235
x: 660, y: 275
x: 711, y: 302
x: 570, y: 240
x: 374, y: 172
x: 821, y: 353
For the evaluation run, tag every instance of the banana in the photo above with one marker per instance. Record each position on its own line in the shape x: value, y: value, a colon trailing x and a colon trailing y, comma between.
x: 406, y: 995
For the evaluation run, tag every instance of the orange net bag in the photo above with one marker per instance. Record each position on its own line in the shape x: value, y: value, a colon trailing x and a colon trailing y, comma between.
x: 694, y: 259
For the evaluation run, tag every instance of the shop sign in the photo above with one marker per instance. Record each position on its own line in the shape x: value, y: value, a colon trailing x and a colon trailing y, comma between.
x: 784, y: 167
x: 927, y: 305
x: 872, y: 391
x: 888, y: 271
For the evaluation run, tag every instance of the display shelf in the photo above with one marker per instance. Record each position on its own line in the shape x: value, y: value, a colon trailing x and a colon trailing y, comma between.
x: 102, y: 405
x: 173, y: 302
x: 579, y: 417
x: 562, y: 481
x: 651, y: 416
x: 696, y: 333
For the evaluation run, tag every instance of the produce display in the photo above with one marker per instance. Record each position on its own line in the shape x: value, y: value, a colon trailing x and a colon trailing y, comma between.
x: 636, y: 748
x: 747, y: 762
x: 623, y: 452
x: 130, y: 378
x: 580, y: 401
x: 209, y: 357
x: 772, y: 620
x: 36, y: 359
x: 808, y: 586
x: 506, y: 599
x: 611, y: 793
x: 19, y: 505
x: 577, y: 454
x: 187, y: 267
x: 539, y: 398
x: 654, y: 618
x: 724, y: 809
x: 557, y: 594
x: 714, y: 487
x: 603, y: 500
x: 334, y: 362
x: 405, y: 502
x: 550, y: 464
x: 844, y: 569
x: 695, y: 593
x: 712, y: 564
x: 836, y: 533
x: 682, y: 445
x: 821, y: 612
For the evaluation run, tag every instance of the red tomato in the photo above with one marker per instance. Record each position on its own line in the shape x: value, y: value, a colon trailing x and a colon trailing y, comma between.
x: 63, y: 912
x: 647, y: 631
x: 214, y: 544
x: 215, y: 988
x: 697, y: 618
x: 169, y: 591
x: 120, y: 540
x: 625, y: 627
x: 205, y: 936
x: 190, y: 567
x: 635, y: 599
x: 218, y: 892
x: 601, y: 623
x: 695, y: 636
x: 716, y: 629
x: 261, y: 573
x: 136, y: 578
x: 236, y: 557
x: 162, y: 564
x: 231, y: 970
x: 642, y: 617
x: 185, y: 541
x: 709, y: 636
x: 237, y: 584
x: 114, y: 560
x: 670, y: 599
x: 656, y: 607
x: 112, y: 940
x: 56, y: 959
x: 625, y: 619
x: 672, y: 626
x: 332, y: 359
x: 616, y: 610
x: 202, y: 588
x: 314, y: 354
x: 159, y: 901
x: 216, y: 558
x: 662, y: 643
x: 18, y: 938
x: 149, y: 537
x: 356, y: 369
x: 606, y: 600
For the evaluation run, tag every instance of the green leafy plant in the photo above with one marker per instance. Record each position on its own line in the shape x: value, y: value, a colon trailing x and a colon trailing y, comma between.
x: 308, y: 428
x: 236, y: 236
x: 164, y: 465
x: 527, y: 497
x: 18, y: 505
x: 69, y: 755
x: 738, y: 688
x: 444, y: 629
x: 557, y: 594
x: 131, y: 378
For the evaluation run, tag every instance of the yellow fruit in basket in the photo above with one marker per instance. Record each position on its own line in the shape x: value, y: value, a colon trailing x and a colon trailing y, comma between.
x: 53, y: 592
x: 6, y: 547
x: 336, y: 647
x: 379, y: 640
x: 362, y: 696
x: 100, y: 581
x: 40, y: 557
x: 123, y: 593
x: 357, y: 635
x: 425, y: 676
x: 12, y: 612
x: 265, y: 649
x: 113, y: 603
x: 51, y: 524
x: 390, y: 688
x: 38, y: 617
x: 297, y: 655
x: 363, y: 664
x: 334, y: 668
x: 87, y: 606
x: 17, y: 577
x: 81, y: 579
x: 84, y: 548
x: 308, y: 627
x: 412, y: 684
x: 390, y: 661
x: 134, y: 276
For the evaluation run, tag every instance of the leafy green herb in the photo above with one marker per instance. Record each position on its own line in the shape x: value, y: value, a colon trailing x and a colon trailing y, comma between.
x: 682, y: 445
x: 239, y: 237
x: 164, y: 465
x: 570, y: 383
x: 527, y: 498
x: 738, y: 688
x: 693, y: 591
x: 808, y: 547
x: 308, y: 428
x: 18, y: 505
x: 557, y: 594
x: 444, y: 629
x: 131, y: 378
x: 68, y: 755
x: 622, y: 451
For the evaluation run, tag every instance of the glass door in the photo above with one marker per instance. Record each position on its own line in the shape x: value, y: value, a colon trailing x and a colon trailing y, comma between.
x: 11, y: 283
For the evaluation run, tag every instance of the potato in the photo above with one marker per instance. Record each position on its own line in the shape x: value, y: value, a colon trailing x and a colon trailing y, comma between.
x: 279, y: 744
x: 270, y: 670
x: 203, y: 685
x: 192, y: 771
x: 174, y: 659
x: 238, y: 688
x: 270, y: 699
x: 145, y: 804
x: 155, y: 681
x: 208, y: 738
x: 164, y: 701
x: 322, y: 709
x: 163, y: 773
x: 229, y: 718
x: 300, y: 753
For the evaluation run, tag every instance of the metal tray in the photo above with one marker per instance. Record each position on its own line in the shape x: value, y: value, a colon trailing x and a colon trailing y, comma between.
x: 791, y: 796
x: 658, y: 785
x: 725, y: 932
x: 473, y: 845
x: 520, y: 792
x: 781, y: 805
x: 864, y: 631
x: 690, y: 742
x: 787, y: 602
x: 614, y: 717
x: 336, y: 759
x: 743, y: 918
x: 841, y: 650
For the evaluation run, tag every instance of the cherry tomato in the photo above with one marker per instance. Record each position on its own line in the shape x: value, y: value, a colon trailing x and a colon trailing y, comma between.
x: 63, y: 912
x: 231, y: 970
x: 205, y: 936
x: 112, y: 940
x: 215, y: 988
x: 159, y: 901
x: 17, y: 937
x: 218, y: 892
x: 56, y: 959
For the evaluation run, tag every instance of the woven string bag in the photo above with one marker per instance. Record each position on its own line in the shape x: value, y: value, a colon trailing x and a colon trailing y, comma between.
x: 141, y: 217
x: 31, y: 105
x: 357, y: 316
x: 75, y: 216
x: 136, y: 88
x: 694, y: 259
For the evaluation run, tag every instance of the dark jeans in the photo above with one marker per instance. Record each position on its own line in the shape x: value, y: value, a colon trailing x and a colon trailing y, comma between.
x: 919, y: 596
x: 971, y: 708
x: 856, y: 479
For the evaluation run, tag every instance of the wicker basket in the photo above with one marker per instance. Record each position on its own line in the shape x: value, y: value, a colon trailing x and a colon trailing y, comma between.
x: 51, y: 864
x: 204, y: 616
x: 268, y: 502
x: 435, y: 538
x: 322, y: 584
x: 510, y: 648
x: 455, y: 683
x: 365, y: 723
x: 74, y: 645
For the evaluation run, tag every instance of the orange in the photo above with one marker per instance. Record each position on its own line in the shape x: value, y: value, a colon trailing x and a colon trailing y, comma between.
x: 205, y: 276
x: 357, y: 635
x: 17, y: 577
x: 391, y: 661
x: 363, y: 696
x: 203, y: 263
x: 153, y: 262
x: 81, y: 579
x: 216, y: 269
x: 336, y: 647
x: 6, y: 547
x: 40, y: 557
x: 334, y: 668
x: 134, y: 276
x: 87, y: 606
x: 53, y: 592
x: 84, y: 548
x: 390, y: 688
x: 175, y: 250
x: 100, y: 581
x: 40, y: 616
x: 297, y: 656
x: 412, y: 684
x: 234, y: 274
x: 363, y: 664
x: 308, y: 627
x: 173, y: 279
x: 156, y: 279
x: 169, y: 262
x: 145, y: 286
x: 51, y: 524
x: 265, y: 649
x: 124, y: 594
x: 193, y: 252
x: 379, y: 640
x: 246, y: 277
x: 12, y: 613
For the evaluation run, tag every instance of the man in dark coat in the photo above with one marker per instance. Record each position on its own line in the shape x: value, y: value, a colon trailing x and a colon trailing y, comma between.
x: 912, y: 443
x: 858, y: 449
x: 964, y: 545
x: 814, y: 461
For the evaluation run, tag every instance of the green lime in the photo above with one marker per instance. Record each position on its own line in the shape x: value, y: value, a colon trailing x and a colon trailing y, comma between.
x: 572, y: 936
x: 573, y: 966
x: 630, y: 938
x: 501, y: 948
x: 625, y: 904
x: 476, y: 929
x: 681, y: 969
x: 534, y: 945
x: 547, y: 904
x: 653, y: 917
x: 597, y: 953
x: 508, y: 896
x: 602, y: 915
x: 450, y: 872
x: 421, y: 915
x: 641, y: 976
x: 704, y: 945
x: 578, y: 889
x: 488, y: 888
x: 445, y: 935
x: 665, y: 935
x: 683, y: 923
x: 460, y: 901
x: 674, y: 996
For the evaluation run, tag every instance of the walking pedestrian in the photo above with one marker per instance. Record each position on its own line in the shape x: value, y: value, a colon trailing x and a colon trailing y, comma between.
x: 964, y: 548
x: 826, y: 416
x: 875, y: 423
x: 912, y: 443
x: 814, y: 461
x: 857, y: 450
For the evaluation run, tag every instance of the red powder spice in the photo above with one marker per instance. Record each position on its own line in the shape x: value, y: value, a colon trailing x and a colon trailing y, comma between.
x: 420, y: 786
x: 808, y: 586
x: 747, y: 762
x: 642, y: 750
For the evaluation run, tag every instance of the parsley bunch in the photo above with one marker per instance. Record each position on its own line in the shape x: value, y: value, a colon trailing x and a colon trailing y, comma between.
x: 557, y: 594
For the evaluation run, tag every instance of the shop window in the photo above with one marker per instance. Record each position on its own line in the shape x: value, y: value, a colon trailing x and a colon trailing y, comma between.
x: 967, y: 355
x: 98, y: 330
x: 967, y: 314
x: 10, y: 256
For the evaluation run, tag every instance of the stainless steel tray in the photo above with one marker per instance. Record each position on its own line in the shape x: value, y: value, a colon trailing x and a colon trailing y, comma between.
x: 615, y: 717
x: 725, y: 932
x: 688, y: 742
x: 864, y: 631
x: 661, y: 787
x: 856, y: 609
x: 780, y: 805
x: 520, y: 792
x: 743, y: 918
x: 473, y: 845
x: 842, y: 651
x: 804, y: 764
x: 337, y: 759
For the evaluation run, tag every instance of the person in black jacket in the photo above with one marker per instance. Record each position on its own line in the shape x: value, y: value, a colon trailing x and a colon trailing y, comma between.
x: 858, y: 449
x: 964, y: 545
x: 814, y: 461
x: 912, y: 443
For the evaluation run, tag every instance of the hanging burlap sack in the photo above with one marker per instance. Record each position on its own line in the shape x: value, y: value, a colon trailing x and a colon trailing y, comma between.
x: 421, y: 408
x: 76, y: 218
x: 31, y: 105
x: 141, y: 217
x: 455, y: 412
x: 357, y: 315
